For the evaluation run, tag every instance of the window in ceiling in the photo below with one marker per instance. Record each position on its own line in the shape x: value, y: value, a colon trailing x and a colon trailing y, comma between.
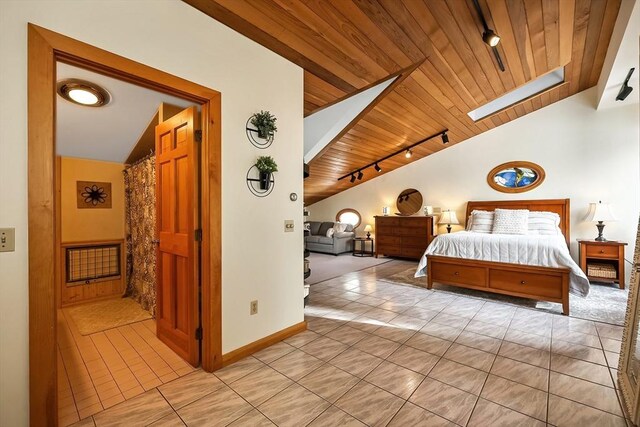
x: 518, y: 95
x: 349, y: 216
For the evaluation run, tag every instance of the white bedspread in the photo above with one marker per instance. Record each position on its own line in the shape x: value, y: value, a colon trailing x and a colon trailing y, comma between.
x: 544, y: 251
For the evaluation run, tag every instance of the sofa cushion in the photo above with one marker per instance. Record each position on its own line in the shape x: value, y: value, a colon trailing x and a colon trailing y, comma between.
x: 325, y: 240
x: 314, y: 226
x: 323, y: 228
x: 349, y: 228
x: 311, y: 239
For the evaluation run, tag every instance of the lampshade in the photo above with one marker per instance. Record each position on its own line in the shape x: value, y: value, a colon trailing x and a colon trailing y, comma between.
x: 368, y: 228
x: 448, y: 217
x: 600, y: 212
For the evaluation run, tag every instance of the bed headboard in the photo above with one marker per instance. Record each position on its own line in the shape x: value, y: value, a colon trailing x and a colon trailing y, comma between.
x: 559, y: 206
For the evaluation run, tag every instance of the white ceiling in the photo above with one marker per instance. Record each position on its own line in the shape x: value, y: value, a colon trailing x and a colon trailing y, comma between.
x: 106, y: 133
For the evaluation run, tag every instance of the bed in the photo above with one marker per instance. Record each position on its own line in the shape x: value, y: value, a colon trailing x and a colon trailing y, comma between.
x: 535, y: 267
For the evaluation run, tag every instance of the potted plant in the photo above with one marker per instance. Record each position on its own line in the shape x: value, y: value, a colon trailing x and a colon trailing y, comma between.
x: 265, y: 122
x: 266, y: 166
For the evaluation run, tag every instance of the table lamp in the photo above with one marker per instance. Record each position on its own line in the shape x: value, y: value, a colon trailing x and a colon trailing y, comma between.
x: 600, y: 212
x: 368, y: 229
x: 448, y: 217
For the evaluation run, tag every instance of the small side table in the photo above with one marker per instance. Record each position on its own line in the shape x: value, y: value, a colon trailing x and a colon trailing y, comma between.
x: 608, y: 253
x: 362, y: 251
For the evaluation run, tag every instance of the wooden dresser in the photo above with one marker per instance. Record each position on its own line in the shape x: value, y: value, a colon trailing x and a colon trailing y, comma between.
x: 404, y: 237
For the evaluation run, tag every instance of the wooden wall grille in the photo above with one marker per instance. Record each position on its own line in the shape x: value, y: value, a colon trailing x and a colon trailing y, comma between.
x: 86, y: 263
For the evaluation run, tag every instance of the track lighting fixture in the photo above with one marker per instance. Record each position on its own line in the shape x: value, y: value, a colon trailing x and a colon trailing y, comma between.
x: 408, y: 153
x: 491, y: 38
x: 625, y: 90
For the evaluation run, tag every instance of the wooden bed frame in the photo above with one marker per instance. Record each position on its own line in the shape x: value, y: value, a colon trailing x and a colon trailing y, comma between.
x: 540, y: 283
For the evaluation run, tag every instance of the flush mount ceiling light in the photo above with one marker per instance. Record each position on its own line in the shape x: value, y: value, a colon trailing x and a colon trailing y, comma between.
x: 82, y: 92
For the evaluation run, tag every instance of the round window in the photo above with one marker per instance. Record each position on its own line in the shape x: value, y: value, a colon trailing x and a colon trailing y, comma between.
x: 349, y: 216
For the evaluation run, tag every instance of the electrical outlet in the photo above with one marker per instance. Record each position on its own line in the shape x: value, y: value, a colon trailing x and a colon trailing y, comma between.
x: 253, y: 307
x: 288, y: 225
x: 7, y: 239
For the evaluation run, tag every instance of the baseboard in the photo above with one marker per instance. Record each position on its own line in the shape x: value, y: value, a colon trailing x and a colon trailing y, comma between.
x: 249, y: 349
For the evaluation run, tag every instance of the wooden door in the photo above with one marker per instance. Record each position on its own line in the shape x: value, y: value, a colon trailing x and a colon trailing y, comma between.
x: 177, y: 312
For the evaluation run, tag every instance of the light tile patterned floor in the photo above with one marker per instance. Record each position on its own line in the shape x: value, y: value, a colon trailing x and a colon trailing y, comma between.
x: 100, y: 370
x: 382, y: 354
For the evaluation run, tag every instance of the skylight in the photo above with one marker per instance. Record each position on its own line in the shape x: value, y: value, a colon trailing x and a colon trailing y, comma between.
x: 520, y: 94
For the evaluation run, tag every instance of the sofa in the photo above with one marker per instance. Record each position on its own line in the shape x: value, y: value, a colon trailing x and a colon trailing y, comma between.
x: 316, y: 239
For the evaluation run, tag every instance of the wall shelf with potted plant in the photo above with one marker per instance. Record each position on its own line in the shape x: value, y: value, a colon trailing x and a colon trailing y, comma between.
x: 260, y: 179
x: 261, y: 128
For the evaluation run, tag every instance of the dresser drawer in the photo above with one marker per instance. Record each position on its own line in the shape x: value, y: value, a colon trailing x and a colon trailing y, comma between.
x: 387, y: 221
x: 412, y: 252
x: 389, y: 250
x: 541, y: 285
x: 389, y: 240
x: 602, y: 251
x: 385, y: 231
x: 411, y: 231
x: 413, y: 241
x: 459, y: 274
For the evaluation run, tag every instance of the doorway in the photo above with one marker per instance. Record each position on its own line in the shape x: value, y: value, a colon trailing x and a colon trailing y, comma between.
x: 46, y: 48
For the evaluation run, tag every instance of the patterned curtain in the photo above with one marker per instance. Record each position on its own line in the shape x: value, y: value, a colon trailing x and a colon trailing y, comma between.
x: 140, y: 211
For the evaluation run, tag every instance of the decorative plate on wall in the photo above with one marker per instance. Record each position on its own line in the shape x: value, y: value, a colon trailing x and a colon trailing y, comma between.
x: 93, y: 195
x: 515, y: 177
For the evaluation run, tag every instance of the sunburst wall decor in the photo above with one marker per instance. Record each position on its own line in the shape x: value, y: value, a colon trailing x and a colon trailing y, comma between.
x: 93, y: 195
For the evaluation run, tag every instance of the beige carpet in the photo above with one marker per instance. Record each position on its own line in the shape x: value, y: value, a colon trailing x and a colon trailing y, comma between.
x: 325, y: 266
x: 605, y: 303
x: 102, y: 315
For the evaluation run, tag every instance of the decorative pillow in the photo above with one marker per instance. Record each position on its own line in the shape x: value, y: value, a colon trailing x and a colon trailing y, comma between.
x: 339, y: 227
x: 330, y: 232
x: 544, y: 223
x: 511, y: 221
x: 469, y: 222
x: 481, y: 222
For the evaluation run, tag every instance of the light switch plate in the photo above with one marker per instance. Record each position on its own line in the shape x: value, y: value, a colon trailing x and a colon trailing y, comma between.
x: 288, y: 225
x: 7, y: 239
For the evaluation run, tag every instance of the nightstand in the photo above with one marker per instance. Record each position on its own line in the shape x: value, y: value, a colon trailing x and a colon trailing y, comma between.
x: 603, y: 261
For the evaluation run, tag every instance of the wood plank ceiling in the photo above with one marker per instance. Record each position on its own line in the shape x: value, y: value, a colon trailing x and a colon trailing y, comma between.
x: 347, y: 45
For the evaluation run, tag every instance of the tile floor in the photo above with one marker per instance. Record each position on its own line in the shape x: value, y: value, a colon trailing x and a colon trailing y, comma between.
x: 381, y: 354
x: 100, y: 370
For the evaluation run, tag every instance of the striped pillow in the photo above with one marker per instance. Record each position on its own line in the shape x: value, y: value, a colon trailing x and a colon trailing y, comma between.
x: 481, y: 222
x: 511, y: 221
x: 544, y: 223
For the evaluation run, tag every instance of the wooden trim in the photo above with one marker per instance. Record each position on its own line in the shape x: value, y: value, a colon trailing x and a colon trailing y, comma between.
x: 559, y: 206
x: 345, y: 210
x: 249, y: 349
x: 45, y: 47
x: 517, y: 163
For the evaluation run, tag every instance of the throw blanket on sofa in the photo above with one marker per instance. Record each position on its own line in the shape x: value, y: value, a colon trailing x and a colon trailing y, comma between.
x: 543, y: 251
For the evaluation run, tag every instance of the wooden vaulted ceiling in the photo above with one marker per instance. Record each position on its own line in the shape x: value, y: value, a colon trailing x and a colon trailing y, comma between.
x: 346, y: 46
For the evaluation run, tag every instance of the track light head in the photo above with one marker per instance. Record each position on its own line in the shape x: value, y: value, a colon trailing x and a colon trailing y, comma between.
x: 360, y: 175
x: 353, y: 178
x: 625, y: 90
x: 491, y: 38
x: 408, y: 154
x: 377, y: 168
x: 445, y: 138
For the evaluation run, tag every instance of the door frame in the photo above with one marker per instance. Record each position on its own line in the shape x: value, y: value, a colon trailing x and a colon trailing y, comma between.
x: 45, y: 48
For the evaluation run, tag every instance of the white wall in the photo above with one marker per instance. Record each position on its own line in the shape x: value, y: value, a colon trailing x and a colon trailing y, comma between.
x: 588, y: 155
x: 260, y: 261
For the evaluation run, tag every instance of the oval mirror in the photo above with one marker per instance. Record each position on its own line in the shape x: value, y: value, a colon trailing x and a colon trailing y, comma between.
x: 409, y: 202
